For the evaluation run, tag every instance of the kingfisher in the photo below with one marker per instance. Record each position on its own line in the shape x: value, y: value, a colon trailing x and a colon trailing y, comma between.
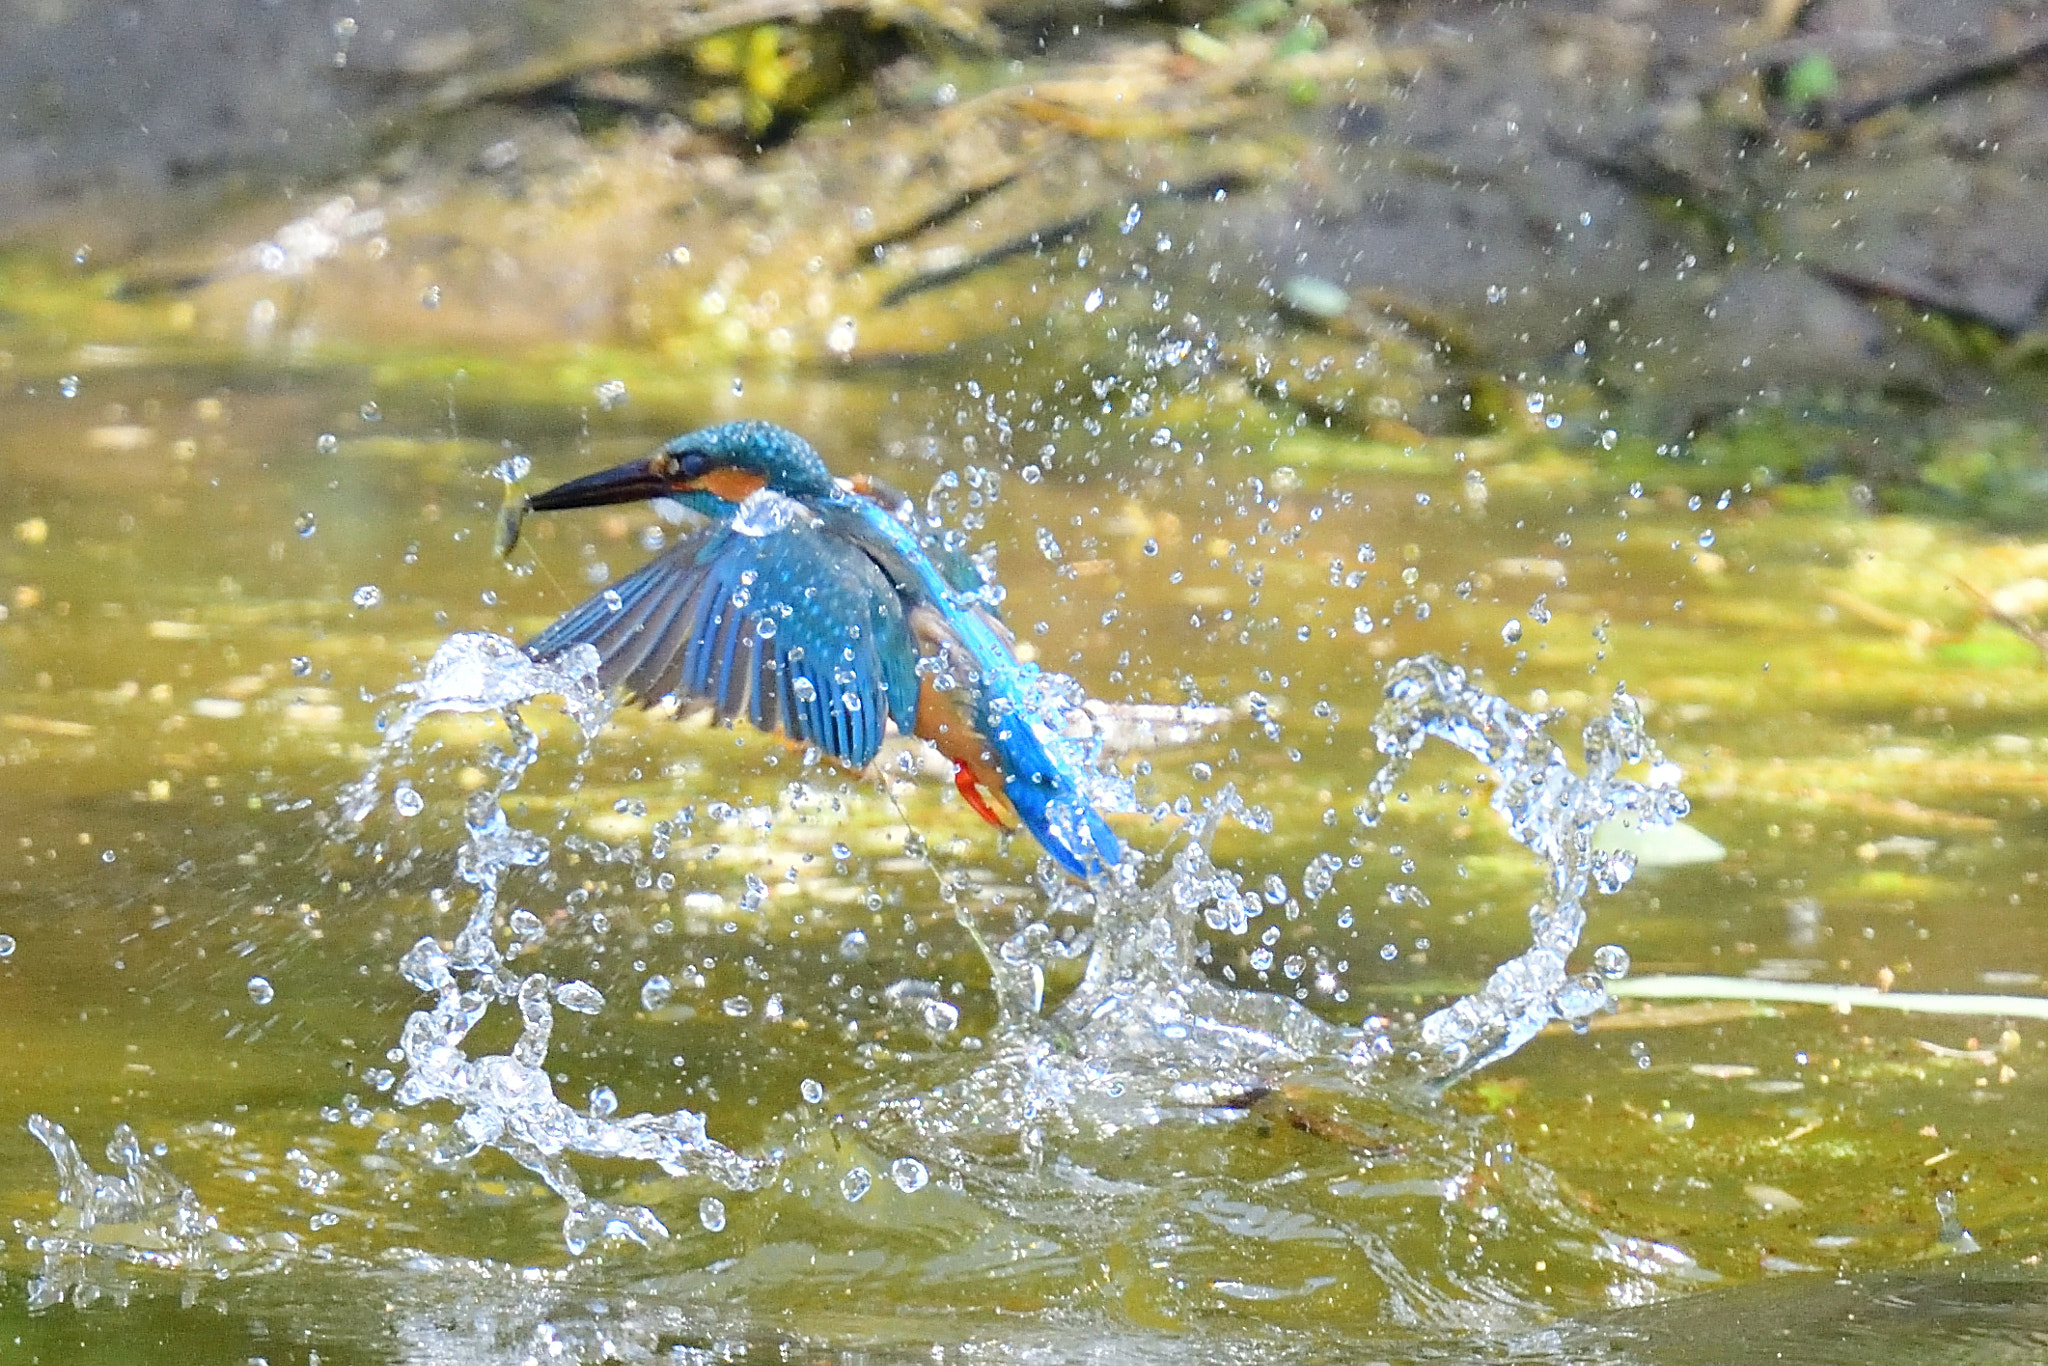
x: 811, y: 607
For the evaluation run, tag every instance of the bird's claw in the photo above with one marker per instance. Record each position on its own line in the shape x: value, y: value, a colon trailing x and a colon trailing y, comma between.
x: 971, y: 791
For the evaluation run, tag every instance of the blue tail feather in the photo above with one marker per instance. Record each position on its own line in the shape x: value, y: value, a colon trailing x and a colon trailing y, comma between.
x: 1052, y: 808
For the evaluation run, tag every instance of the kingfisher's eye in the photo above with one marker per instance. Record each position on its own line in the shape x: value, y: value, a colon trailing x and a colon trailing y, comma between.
x: 683, y: 466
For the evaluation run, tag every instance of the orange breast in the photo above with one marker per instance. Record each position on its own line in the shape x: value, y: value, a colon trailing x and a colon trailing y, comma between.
x: 940, y: 720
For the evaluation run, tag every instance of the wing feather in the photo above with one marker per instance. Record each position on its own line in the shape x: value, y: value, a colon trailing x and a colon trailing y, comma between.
x: 835, y: 661
x: 659, y: 673
x: 637, y: 635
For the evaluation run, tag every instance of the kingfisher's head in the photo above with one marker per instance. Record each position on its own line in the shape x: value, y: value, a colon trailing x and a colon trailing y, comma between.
x: 713, y: 471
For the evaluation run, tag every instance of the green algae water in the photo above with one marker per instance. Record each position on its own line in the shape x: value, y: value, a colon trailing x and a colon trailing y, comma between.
x: 834, y: 1072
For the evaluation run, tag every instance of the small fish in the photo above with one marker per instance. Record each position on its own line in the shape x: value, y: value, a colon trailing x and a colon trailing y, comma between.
x: 511, y: 517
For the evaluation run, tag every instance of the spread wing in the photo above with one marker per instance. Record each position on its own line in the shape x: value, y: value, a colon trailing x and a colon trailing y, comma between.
x: 793, y: 631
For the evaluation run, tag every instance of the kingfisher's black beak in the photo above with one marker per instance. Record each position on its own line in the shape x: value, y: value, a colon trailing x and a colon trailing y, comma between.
x: 633, y: 482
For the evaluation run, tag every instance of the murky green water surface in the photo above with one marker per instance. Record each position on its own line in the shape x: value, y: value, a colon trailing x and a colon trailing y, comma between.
x: 215, y: 578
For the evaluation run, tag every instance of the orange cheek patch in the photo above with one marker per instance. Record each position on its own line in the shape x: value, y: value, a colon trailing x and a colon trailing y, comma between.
x: 734, y: 486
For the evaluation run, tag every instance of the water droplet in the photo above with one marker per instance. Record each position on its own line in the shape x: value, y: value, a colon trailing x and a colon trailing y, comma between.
x: 1151, y: 547
x: 909, y: 1174
x: 1132, y: 216
x: 6, y: 946
x: 610, y: 394
x: 711, y: 1214
x: 407, y: 801
x: 425, y: 965
x: 1612, y: 869
x: 738, y: 1007
x: 327, y: 443
x: 853, y: 946
x: 655, y: 993
x: 1496, y: 294
x: 804, y: 689
x: 370, y: 413
x: 1706, y: 540
x: 812, y: 1090
x: 1580, y: 997
x: 841, y: 336
x: 1092, y: 302
x: 1361, y: 620
x: 580, y: 997
x: 604, y: 1102
x: 260, y: 991
x: 739, y: 386
x: 68, y: 386
x: 1511, y: 631
x: 1611, y: 961
x: 1320, y: 876
x: 430, y: 297
x: 369, y: 595
x: 304, y: 524
x: 1389, y: 952
x: 855, y: 1184
x: 301, y: 666
x: 765, y: 628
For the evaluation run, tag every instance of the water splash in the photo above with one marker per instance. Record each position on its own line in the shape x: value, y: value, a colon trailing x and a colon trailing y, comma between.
x: 507, y: 1100
x: 1145, y: 1036
x: 1147, y: 1033
x: 1550, y: 810
x: 142, y: 1219
x: 766, y: 512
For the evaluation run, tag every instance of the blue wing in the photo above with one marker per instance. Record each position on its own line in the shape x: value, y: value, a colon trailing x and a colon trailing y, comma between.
x: 948, y: 555
x: 793, y: 631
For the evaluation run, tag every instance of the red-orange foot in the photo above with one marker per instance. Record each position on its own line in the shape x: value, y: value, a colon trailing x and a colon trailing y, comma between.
x: 971, y: 791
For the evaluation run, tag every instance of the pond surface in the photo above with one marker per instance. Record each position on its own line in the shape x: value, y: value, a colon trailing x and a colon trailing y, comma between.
x: 216, y: 580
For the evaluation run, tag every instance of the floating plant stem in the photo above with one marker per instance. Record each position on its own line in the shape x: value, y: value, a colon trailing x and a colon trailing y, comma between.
x: 1837, y: 997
